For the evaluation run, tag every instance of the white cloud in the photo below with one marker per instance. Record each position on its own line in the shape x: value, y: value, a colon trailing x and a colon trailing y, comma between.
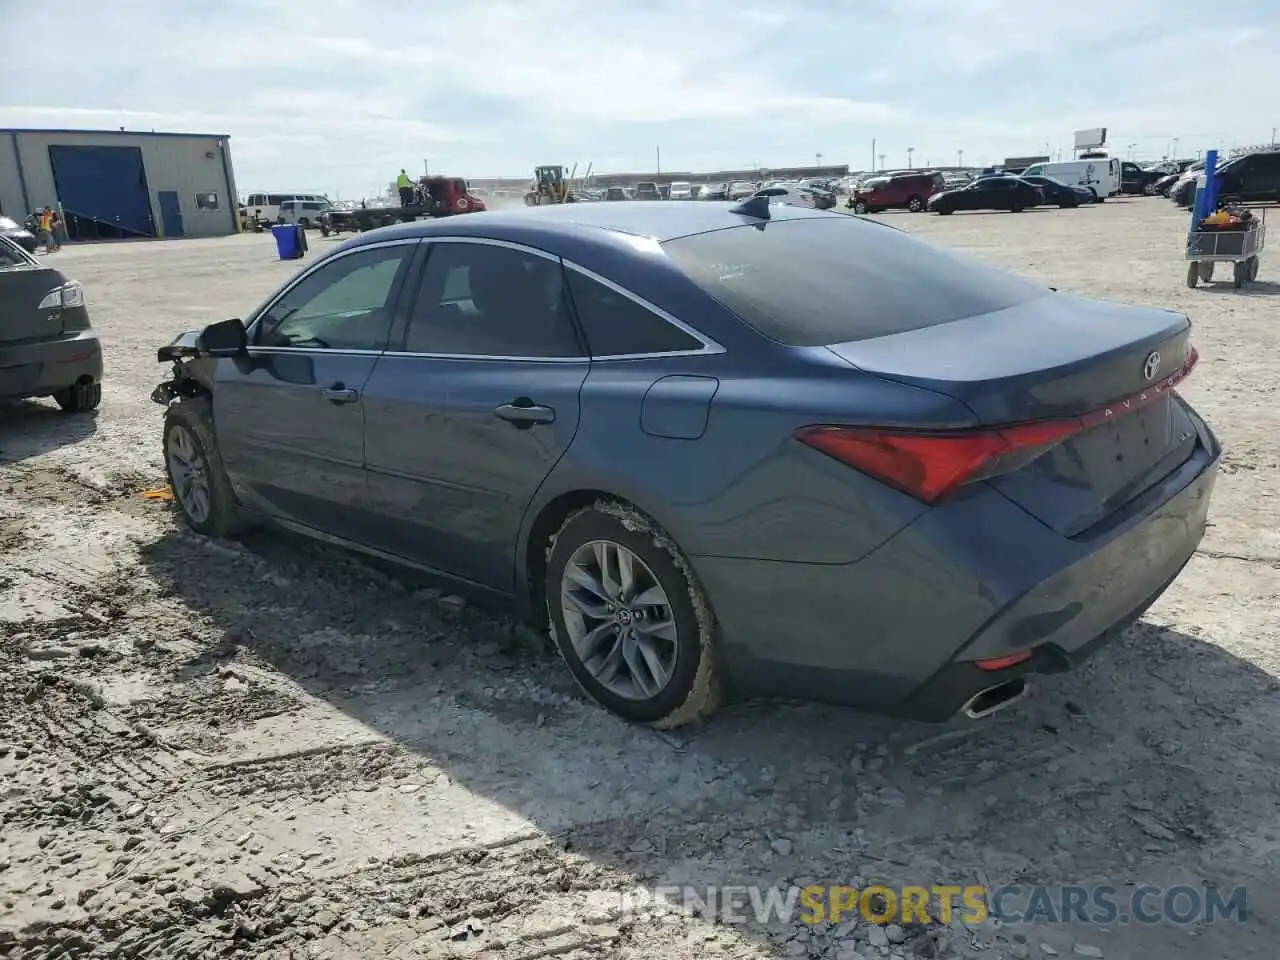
x: 339, y: 95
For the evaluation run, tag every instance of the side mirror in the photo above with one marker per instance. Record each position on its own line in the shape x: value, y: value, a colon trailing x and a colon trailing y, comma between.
x: 227, y: 338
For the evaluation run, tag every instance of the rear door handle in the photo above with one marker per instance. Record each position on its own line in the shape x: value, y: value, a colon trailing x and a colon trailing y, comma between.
x: 339, y: 394
x: 524, y: 413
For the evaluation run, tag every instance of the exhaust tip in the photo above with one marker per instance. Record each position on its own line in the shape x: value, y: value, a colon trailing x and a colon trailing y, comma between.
x: 994, y: 699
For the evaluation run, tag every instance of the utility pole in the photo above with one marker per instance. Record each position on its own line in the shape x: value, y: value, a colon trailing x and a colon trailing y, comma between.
x: 658, y: 158
x: 1175, y: 149
x: 817, y: 159
x: 882, y: 161
x: 426, y: 167
x: 910, y: 151
x: 873, y: 154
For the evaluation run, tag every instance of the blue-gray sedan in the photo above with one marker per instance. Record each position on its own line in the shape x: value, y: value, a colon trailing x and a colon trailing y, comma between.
x: 714, y: 447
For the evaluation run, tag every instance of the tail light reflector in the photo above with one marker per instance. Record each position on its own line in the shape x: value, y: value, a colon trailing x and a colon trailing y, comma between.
x: 995, y: 664
x: 929, y: 466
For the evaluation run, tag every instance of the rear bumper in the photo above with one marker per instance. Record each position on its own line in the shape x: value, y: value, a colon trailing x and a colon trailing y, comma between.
x: 39, y: 369
x: 898, y: 631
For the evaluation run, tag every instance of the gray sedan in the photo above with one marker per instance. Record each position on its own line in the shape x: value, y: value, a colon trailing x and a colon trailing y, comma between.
x: 715, y: 447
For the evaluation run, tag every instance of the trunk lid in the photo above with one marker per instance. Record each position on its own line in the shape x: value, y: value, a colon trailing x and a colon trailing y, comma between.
x: 1081, y: 356
x: 22, y: 288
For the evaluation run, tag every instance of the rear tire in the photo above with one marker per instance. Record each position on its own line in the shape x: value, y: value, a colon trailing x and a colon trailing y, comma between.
x: 915, y: 204
x: 686, y: 685
x: 1096, y: 198
x: 79, y: 397
x: 1148, y: 189
x: 196, y: 475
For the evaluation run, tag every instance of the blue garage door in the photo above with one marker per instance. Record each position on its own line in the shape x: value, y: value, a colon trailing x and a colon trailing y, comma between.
x: 103, y: 191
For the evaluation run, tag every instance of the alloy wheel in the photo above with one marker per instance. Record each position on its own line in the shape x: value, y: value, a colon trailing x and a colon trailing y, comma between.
x: 619, y: 620
x: 190, y: 474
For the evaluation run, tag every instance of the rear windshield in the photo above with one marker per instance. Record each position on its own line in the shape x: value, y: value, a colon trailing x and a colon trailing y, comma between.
x: 825, y: 280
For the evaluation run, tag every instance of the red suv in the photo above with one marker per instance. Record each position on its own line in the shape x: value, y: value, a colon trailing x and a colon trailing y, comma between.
x: 903, y: 191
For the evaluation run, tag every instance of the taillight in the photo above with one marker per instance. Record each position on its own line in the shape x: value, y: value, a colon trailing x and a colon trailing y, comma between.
x: 70, y: 294
x: 928, y: 466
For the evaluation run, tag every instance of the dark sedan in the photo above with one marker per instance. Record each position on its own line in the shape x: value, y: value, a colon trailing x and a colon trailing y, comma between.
x: 1062, y: 194
x: 47, y: 346
x: 988, y: 193
x: 12, y: 230
x: 710, y: 446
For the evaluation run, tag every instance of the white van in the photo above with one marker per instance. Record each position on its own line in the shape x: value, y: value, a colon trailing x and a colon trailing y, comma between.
x: 1100, y: 174
x: 681, y: 190
x: 305, y: 212
x: 266, y: 206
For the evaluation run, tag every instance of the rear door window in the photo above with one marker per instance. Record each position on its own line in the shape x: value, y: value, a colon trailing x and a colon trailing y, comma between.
x: 484, y: 301
x: 12, y: 255
x: 811, y: 282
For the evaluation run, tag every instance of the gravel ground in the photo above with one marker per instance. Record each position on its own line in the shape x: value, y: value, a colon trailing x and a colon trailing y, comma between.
x: 272, y: 749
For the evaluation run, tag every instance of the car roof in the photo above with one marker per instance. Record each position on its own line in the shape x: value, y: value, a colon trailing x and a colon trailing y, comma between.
x: 657, y: 220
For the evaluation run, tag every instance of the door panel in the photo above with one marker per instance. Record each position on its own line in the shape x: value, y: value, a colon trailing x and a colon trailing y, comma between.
x: 290, y: 416
x: 449, y: 478
x: 290, y: 451
x: 452, y: 452
x: 170, y: 213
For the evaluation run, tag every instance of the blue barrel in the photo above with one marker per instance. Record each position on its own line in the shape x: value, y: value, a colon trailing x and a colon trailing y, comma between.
x: 288, y: 242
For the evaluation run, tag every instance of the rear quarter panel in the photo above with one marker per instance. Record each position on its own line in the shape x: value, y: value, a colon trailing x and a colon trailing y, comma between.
x: 745, y: 488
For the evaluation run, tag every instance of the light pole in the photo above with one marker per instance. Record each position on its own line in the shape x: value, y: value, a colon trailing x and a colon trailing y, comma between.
x: 817, y: 159
x: 1132, y: 146
x: 910, y: 151
x: 959, y: 158
x: 882, y: 161
x: 1174, y: 155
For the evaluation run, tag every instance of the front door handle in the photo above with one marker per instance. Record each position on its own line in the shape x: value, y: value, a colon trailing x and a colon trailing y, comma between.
x: 524, y: 413
x: 339, y: 394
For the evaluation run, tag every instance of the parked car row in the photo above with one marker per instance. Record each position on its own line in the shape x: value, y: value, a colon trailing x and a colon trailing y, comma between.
x: 1249, y: 178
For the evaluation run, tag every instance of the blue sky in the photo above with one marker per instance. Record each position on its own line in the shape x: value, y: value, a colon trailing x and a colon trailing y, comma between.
x: 338, y: 95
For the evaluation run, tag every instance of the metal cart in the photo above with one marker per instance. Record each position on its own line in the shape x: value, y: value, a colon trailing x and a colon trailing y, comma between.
x: 1237, y: 244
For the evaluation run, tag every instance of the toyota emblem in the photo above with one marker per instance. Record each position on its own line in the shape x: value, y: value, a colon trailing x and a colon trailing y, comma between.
x: 1152, y: 366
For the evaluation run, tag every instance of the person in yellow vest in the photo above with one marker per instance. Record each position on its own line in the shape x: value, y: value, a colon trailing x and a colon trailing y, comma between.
x: 405, y: 186
x: 46, y: 231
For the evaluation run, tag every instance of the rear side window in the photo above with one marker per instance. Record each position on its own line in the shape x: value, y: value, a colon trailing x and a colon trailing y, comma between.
x: 11, y: 255
x: 816, y: 281
x: 617, y: 326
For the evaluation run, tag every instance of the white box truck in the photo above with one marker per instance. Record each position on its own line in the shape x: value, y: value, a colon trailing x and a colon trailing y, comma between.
x: 1101, y: 175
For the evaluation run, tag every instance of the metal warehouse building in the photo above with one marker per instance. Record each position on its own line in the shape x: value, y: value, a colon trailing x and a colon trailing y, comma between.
x: 121, y: 184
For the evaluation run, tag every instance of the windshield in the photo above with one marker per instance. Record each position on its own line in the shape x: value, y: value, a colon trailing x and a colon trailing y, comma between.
x: 815, y: 282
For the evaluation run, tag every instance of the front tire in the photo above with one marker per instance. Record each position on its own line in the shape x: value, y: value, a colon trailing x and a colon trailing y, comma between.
x: 860, y: 208
x: 79, y: 397
x: 194, y: 467
x: 630, y: 618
